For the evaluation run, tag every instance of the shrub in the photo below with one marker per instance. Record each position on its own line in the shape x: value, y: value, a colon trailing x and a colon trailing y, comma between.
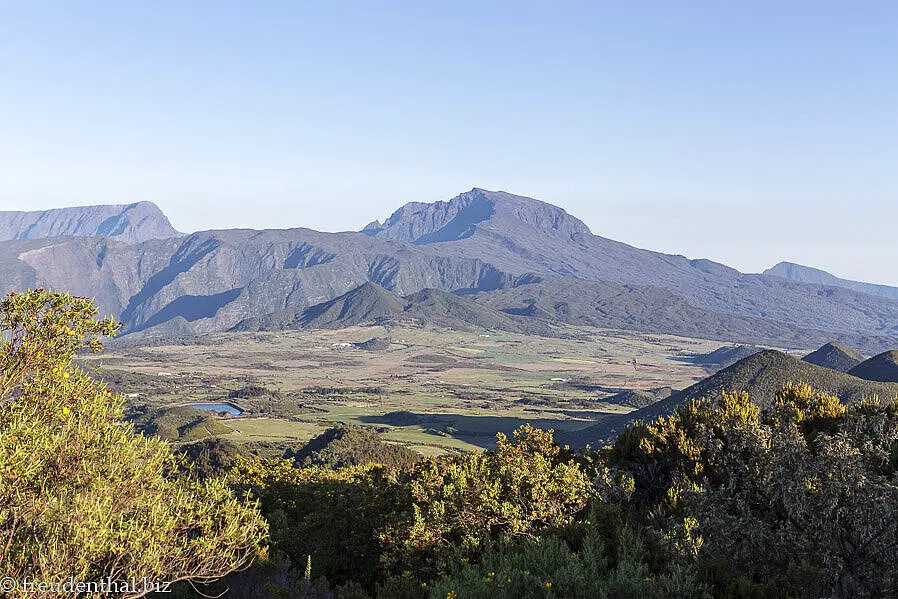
x: 334, y: 516
x: 81, y: 494
x: 612, y: 559
x: 463, y: 504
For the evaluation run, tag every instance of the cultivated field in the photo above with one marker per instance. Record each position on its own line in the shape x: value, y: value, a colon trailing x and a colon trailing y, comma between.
x: 432, y: 390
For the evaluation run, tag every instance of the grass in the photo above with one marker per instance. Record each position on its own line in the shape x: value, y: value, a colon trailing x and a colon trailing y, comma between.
x: 464, y: 387
x: 271, y: 429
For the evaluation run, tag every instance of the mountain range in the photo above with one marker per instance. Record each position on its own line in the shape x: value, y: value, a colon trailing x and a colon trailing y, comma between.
x: 130, y: 223
x: 509, y: 258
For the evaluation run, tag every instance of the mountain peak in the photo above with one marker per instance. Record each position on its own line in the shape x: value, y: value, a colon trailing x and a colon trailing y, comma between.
x: 815, y: 276
x: 467, y: 213
x: 130, y: 223
x: 882, y: 367
x: 835, y: 356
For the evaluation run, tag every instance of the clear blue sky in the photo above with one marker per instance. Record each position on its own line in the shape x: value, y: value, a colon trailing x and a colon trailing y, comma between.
x: 746, y: 132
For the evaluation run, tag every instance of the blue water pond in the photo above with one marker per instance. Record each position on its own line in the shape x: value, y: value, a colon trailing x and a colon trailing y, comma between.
x: 218, y: 407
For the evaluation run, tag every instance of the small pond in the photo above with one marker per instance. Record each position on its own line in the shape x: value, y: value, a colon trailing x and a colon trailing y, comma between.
x: 218, y: 407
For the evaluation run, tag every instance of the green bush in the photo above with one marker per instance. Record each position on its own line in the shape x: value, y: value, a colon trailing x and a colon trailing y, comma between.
x: 81, y: 494
x: 462, y: 505
x: 611, y: 559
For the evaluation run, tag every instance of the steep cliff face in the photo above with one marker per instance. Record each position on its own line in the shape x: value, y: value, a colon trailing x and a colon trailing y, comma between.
x: 132, y: 223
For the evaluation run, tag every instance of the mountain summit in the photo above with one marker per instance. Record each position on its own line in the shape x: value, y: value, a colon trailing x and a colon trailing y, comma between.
x: 807, y: 274
x: 476, y: 212
x: 131, y: 223
x: 835, y: 356
x: 516, y: 235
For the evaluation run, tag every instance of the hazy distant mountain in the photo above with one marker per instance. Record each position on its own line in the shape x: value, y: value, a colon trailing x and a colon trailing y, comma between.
x: 652, y: 309
x: 132, y: 223
x: 725, y: 356
x: 761, y: 376
x: 882, y: 367
x: 517, y: 235
x: 519, y: 257
x: 806, y: 274
x: 835, y: 356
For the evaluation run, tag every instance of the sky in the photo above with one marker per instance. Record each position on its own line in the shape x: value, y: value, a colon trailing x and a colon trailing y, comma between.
x: 744, y: 132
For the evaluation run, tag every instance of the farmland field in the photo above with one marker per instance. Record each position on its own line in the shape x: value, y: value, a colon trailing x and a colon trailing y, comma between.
x: 432, y: 390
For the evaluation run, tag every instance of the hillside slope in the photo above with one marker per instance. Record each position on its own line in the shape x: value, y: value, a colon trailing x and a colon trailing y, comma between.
x: 882, y: 367
x: 761, y: 376
x: 130, y: 223
x: 652, y: 309
x: 815, y: 276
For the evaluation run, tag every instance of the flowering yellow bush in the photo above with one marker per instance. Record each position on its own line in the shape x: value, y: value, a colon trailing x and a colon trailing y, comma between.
x: 82, y: 496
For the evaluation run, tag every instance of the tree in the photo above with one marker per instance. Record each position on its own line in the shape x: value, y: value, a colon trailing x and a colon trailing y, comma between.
x: 463, y: 504
x: 815, y: 487
x: 82, y: 496
x: 801, y: 496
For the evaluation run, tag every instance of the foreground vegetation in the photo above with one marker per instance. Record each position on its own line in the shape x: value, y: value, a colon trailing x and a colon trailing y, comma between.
x: 82, y: 496
x: 720, y: 499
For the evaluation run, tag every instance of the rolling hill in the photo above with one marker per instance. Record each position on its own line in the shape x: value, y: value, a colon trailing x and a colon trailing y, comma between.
x: 725, y: 356
x: 835, y: 356
x: 370, y: 303
x: 761, y: 376
x: 882, y: 367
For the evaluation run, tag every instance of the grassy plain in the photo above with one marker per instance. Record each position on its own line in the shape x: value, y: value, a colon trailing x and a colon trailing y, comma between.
x: 432, y: 390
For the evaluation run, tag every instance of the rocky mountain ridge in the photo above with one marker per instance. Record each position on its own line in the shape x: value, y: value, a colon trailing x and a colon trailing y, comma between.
x: 807, y: 274
x: 131, y: 223
x: 512, y: 254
